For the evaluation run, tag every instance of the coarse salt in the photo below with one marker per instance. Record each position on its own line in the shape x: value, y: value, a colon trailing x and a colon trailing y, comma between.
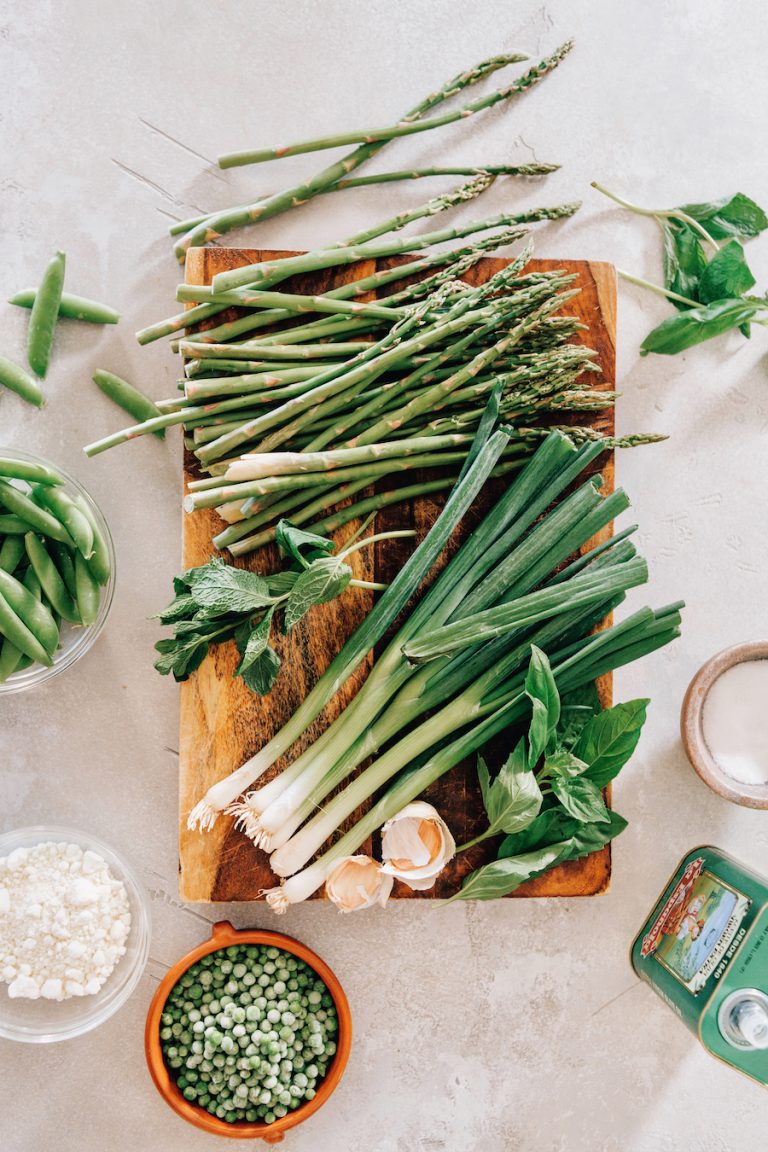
x: 735, y: 721
x: 59, y: 904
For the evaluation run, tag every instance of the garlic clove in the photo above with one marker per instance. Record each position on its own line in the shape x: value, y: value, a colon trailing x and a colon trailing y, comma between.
x: 416, y: 845
x: 357, y: 882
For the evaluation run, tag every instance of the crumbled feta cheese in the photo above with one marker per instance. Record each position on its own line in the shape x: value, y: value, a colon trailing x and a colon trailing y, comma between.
x: 58, y: 905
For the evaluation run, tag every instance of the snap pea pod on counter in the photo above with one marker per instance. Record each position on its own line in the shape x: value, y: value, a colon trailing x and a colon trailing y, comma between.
x: 127, y: 397
x: 45, y: 313
x: 71, y: 307
x: 17, y: 380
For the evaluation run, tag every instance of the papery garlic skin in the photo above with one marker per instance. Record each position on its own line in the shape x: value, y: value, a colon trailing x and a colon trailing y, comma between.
x: 416, y: 845
x: 357, y: 882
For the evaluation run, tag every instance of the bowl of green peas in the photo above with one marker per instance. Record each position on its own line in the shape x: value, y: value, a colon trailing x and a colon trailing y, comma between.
x: 57, y: 570
x: 248, y: 1035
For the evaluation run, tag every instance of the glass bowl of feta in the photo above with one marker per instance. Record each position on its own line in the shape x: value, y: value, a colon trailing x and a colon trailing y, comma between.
x: 74, y: 933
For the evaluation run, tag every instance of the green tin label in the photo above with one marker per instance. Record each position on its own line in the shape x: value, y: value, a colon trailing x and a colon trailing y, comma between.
x: 706, y: 940
x: 691, y: 937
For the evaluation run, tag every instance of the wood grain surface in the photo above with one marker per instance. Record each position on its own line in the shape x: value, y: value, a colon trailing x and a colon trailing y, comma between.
x: 223, y: 723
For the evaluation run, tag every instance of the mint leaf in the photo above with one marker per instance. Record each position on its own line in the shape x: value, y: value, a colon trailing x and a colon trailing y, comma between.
x: 501, y: 877
x: 180, y: 659
x: 541, y: 690
x: 697, y: 325
x: 513, y: 799
x: 609, y: 739
x: 180, y: 608
x: 261, y: 674
x: 684, y: 262
x: 733, y: 216
x: 323, y: 580
x: 726, y: 275
x: 292, y: 541
x: 581, y: 798
x: 222, y: 588
x: 253, y: 643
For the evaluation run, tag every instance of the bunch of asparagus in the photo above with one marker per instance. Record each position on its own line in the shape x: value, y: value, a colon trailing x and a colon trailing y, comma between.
x: 327, y: 408
x: 302, y: 401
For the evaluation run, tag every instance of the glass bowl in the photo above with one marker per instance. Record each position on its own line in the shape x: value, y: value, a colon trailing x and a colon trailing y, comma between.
x: 75, y: 640
x: 222, y: 936
x: 44, y: 1021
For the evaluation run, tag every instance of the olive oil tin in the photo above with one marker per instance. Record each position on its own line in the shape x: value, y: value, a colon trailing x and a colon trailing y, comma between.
x: 704, y: 951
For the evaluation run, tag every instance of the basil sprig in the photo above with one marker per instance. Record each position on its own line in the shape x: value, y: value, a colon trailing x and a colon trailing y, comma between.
x: 547, y: 796
x: 707, y: 282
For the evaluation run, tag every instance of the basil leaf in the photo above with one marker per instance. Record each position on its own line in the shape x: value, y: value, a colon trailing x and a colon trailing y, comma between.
x: 513, y: 799
x: 501, y: 877
x: 726, y: 275
x: 322, y: 581
x: 733, y: 216
x: 551, y: 825
x: 223, y: 588
x: 260, y: 676
x: 292, y: 540
x: 254, y: 643
x: 562, y: 762
x: 555, y: 824
x: 541, y: 690
x: 697, y: 325
x: 588, y: 838
x: 581, y: 798
x: 684, y: 262
x: 576, y: 708
x: 609, y: 739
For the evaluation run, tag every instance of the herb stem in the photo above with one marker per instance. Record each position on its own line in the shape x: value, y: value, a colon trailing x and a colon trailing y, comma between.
x: 400, y: 534
x: 660, y: 214
x: 657, y: 288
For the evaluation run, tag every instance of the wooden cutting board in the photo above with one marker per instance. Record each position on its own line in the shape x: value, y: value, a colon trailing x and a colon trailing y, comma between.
x: 223, y: 723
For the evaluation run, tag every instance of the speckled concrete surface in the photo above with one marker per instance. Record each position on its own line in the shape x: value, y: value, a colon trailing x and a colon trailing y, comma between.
x: 515, y: 1026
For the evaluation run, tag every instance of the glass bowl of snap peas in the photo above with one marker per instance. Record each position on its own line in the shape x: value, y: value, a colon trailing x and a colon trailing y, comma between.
x: 57, y: 570
x: 248, y: 1035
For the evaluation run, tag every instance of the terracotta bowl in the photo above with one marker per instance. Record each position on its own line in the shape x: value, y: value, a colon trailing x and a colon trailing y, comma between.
x: 692, y: 730
x: 222, y: 936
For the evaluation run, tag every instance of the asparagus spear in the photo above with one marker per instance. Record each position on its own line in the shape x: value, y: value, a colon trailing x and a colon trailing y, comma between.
x: 265, y: 274
x: 181, y: 226
x: 223, y: 222
x: 402, y: 128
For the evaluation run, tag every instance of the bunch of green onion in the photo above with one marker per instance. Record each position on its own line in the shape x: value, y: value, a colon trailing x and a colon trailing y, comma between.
x: 453, y: 675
